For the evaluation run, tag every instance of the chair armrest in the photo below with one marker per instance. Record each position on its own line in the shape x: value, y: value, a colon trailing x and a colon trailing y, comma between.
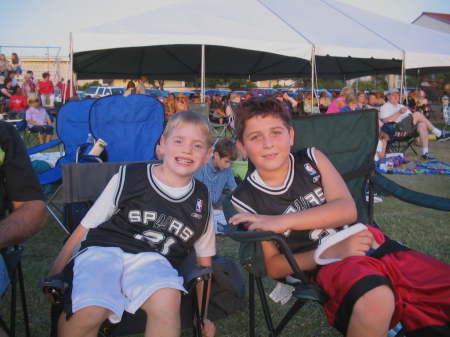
x: 410, y: 196
x: 43, y: 147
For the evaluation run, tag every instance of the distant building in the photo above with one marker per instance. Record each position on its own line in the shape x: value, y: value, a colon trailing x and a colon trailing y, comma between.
x: 436, y: 21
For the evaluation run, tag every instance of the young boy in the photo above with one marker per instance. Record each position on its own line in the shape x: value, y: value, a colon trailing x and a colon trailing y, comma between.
x: 368, y: 294
x: 143, y: 224
x: 217, y: 174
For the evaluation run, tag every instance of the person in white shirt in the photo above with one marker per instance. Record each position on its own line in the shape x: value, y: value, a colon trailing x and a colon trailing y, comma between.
x: 140, y: 88
x: 408, y: 121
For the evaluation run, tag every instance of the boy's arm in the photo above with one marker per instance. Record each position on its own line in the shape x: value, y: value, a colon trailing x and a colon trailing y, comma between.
x: 66, y: 252
x: 339, y: 210
x: 208, y: 328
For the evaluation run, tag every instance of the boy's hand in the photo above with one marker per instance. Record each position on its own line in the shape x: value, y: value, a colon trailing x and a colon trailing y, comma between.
x: 258, y: 222
x: 355, y: 245
x: 208, y: 328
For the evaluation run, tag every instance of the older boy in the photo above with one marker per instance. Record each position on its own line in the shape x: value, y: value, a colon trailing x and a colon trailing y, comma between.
x: 143, y: 224
x: 217, y: 174
x: 368, y: 294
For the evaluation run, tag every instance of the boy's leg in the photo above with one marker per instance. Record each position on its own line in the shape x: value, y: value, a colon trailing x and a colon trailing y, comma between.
x: 372, y: 313
x: 83, y: 323
x: 163, y: 313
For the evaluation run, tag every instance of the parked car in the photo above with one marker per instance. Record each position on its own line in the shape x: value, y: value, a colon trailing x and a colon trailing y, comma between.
x: 185, y: 93
x: 242, y: 93
x: 105, y: 91
x: 318, y: 91
x: 157, y: 93
x: 262, y: 91
x: 213, y: 92
x: 81, y: 94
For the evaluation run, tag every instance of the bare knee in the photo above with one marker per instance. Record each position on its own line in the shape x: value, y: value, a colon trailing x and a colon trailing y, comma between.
x: 85, y: 321
x: 165, y: 301
x: 373, y: 312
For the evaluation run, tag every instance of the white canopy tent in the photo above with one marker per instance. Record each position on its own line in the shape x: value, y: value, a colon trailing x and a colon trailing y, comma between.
x: 261, y: 39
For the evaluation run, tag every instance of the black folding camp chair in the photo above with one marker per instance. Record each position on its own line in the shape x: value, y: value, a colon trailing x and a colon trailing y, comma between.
x: 83, y: 183
x: 349, y: 140
x: 12, y: 257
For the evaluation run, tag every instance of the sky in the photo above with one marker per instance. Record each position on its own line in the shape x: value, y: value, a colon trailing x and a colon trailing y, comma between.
x: 48, y: 23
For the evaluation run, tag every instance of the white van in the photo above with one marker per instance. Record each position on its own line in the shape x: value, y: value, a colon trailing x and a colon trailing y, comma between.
x: 105, y: 91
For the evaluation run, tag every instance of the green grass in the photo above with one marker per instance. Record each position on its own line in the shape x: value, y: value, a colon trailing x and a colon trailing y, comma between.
x: 421, y: 229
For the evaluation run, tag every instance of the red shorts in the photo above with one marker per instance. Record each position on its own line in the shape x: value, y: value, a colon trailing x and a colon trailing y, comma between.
x: 421, y: 286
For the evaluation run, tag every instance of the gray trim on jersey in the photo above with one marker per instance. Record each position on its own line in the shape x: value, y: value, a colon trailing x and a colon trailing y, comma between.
x: 239, y: 204
x: 122, y: 172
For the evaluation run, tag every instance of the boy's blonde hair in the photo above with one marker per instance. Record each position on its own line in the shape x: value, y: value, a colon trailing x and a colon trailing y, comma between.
x: 189, y: 117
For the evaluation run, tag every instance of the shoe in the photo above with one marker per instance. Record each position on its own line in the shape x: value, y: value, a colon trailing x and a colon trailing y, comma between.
x: 444, y: 136
x: 428, y: 156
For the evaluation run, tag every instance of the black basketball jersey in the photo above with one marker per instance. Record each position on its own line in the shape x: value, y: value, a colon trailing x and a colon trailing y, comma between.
x: 301, y: 190
x: 148, y: 219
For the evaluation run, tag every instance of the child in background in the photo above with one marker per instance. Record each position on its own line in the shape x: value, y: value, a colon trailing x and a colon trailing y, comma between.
x: 300, y: 195
x: 217, y: 174
x: 143, y: 225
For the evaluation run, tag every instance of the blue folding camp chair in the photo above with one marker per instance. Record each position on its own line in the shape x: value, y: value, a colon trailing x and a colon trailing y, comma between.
x: 131, y: 126
x: 72, y: 128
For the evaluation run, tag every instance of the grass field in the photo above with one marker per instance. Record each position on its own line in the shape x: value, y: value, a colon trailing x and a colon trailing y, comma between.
x: 421, y: 229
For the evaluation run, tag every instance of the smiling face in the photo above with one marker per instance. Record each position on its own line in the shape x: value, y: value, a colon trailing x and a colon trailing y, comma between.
x: 267, y: 142
x: 185, y: 151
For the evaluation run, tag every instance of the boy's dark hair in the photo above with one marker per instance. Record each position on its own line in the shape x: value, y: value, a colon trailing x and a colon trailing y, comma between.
x: 44, y: 75
x: 260, y: 106
x: 226, y: 149
x: 16, y: 88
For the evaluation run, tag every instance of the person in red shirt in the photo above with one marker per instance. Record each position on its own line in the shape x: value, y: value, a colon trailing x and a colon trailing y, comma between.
x: 47, y: 91
x: 18, y: 105
x: 65, y: 90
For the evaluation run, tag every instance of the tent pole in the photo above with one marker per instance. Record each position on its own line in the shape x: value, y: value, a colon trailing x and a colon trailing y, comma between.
x: 71, y: 65
x: 202, y: 95
x: 402, y: 78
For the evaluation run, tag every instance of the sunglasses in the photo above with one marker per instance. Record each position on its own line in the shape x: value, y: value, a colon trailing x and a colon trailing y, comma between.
x: 34, y: 101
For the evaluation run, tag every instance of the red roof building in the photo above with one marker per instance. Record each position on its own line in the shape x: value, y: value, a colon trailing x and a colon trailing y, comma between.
x: 436, y: 21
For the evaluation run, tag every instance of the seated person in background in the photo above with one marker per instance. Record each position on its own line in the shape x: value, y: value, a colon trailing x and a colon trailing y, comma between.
x: 38, y: 120
x: 126, y: 243
x: 33, y: 91
x: 337, y: 104
x: 310, y: 105
x: 380, y: 99
x: 131, y: 89
x: 217, y: 174
x: 324, y: 102
x: 382, y: 145
x: 235, y: 99
x: 4, y: 65
x: 181, y: 103
x: 410, y: 102
x: 352, y: 102
x: 168, y: 112
x: 372, y: 102
x: 16, y: 63
x: 217, y: 108
x: 12, y: 76
x: 289, y: 101
x: 361, y: 102
x: 409, y: 122
x: 46, y: 90
x: 420, y: 100
x: 375, y: 282
x: 18, y: 105
x: 7, y: 91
